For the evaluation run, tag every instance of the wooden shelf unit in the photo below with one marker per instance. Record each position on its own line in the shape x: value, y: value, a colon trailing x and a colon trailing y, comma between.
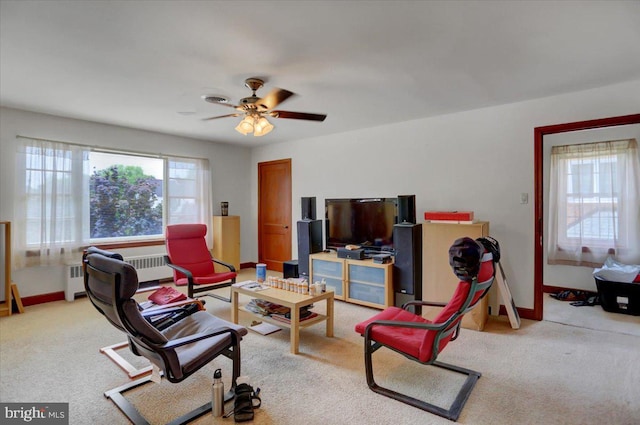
x: 438, y: 280
x: 226, y: 239
x: 10, y: 289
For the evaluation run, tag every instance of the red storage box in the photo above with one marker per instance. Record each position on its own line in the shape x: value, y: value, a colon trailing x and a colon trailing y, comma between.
x: 449, y: 215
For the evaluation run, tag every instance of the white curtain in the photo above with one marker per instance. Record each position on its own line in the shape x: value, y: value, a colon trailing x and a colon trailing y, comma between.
x: 188, y: 192
x: 594, y: 203
x: 51, y: 206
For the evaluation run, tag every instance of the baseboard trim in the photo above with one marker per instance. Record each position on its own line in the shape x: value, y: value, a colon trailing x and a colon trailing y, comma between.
x: 524, y: 313
x: 43, y: 298
x: 548, y: 289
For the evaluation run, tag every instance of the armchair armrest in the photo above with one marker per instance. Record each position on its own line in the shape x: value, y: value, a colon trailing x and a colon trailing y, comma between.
x: 182, y: 270
x: 160, y: 311
x: 419, y: 303
x: 423, y: 303
x: 415, y: 325
x: 222, y: 263
x: 201, y: 336
x: 436, y: 327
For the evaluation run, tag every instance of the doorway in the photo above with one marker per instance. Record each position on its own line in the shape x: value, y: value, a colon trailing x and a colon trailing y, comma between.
x: 274, y: 213
x: 539, y: 132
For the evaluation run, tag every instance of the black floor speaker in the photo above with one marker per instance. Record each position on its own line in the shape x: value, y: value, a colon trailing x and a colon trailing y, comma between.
x: 407, y: 267
x: 309, y: 242
x: 406, y: 209
x: 308, y: 208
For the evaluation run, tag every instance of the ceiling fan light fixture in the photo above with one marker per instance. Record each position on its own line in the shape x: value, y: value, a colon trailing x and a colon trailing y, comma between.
x: 255, y: 110
x: 262, y: 127
x: 245, y: 126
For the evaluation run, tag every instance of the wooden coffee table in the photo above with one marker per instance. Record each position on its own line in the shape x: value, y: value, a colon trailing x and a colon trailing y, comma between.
x: 288, y: 299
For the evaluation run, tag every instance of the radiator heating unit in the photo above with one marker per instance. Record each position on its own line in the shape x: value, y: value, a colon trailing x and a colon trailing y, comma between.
x: 149, y: 268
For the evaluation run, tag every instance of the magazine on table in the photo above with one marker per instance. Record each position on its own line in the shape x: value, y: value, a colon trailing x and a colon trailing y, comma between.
x: 263, y: 328
x: 287, y: 318
x: 250, y: 285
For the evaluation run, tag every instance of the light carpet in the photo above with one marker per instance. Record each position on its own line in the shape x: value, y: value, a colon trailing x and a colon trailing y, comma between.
x: 543, y: 373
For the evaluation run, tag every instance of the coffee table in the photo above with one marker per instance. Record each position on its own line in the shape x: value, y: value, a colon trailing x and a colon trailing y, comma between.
x: 289, y: 299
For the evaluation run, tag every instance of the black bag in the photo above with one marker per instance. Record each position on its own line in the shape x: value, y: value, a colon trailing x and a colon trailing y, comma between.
x: 246, y: 400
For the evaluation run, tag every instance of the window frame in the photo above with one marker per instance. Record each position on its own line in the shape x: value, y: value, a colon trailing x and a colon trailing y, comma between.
x: 587, y: 224
x: 30, y: 252
x: 131, y: 241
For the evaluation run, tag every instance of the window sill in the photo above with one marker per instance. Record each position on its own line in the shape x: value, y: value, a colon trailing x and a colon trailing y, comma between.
x: 135, y: 244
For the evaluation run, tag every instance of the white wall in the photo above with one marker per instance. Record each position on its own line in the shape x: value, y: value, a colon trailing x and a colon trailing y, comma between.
x: 230, y: 175
x: 480, y: 160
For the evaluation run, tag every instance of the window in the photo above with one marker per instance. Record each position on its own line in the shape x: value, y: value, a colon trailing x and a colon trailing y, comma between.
x: 70, y: 196
x: 126, y: 194
x: 594, y: 208
x: 188, y: 192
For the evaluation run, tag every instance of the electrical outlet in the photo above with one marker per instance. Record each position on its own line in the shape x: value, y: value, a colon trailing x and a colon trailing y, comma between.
x: 524, y: 198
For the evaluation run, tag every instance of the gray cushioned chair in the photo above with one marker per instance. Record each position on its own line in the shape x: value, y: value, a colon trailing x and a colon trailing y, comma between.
x: 178, y: 351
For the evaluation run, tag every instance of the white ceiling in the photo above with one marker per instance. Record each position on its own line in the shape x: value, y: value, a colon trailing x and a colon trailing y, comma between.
x: 363, y: 63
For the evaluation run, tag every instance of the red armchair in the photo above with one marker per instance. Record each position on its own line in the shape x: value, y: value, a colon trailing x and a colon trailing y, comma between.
x: 190, y: 258
x: 422, y: 340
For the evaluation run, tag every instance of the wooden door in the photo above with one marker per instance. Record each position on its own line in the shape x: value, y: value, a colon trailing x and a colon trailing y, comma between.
x: 274, y: 213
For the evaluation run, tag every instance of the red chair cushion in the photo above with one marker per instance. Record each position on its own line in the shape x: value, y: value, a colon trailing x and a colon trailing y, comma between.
x: 455, y: 303
x: 187, y: 248
x: 407, y: 340
x: 418, y: 343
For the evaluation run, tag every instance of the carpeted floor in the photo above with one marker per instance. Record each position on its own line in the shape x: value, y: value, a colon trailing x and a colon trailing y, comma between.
x: 590, y: 317
x: 543, y: 373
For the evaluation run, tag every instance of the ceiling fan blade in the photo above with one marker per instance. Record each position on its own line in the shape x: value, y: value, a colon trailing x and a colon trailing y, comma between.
x: 274, y: 98
x: 298, y: 115
x: 221, y: 116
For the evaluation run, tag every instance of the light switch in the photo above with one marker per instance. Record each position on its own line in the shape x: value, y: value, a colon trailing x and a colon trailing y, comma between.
x: 524, y: 198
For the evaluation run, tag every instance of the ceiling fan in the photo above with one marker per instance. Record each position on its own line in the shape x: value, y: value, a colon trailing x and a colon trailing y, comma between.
x: 255, y: 109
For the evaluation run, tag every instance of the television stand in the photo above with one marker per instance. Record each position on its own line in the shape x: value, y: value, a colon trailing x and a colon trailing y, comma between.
x: 356, y: 281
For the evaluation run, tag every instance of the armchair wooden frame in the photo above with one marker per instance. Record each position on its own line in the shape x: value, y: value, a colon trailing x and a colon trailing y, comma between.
x: 190, y: 258
x: 449, y: 328
x: 192, y: 288
x: 109, y: 286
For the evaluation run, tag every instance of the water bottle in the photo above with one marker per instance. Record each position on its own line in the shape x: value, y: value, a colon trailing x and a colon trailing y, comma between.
x: 217, y: 394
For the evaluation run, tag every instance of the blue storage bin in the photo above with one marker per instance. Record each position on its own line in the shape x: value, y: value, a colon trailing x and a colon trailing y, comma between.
x: 335, y: 285
x: 327, y: 268
x: 364, y: 292
x: 366, y: 274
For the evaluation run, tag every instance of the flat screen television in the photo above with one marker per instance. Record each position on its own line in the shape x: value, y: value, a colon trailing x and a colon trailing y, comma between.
x: 367, y: 222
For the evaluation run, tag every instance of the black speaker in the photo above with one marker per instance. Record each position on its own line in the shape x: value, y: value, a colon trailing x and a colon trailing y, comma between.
x: 290, y: 269
x: 407, y: 267
x: 406, y: 209
x: 308, y: 208
x: 309, y: 242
